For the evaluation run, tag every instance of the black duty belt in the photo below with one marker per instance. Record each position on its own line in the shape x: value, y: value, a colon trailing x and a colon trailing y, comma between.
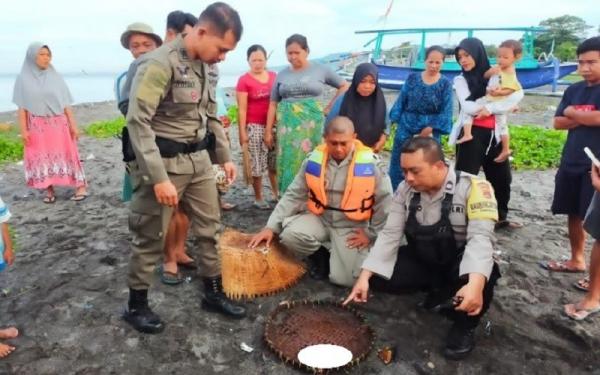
x: 169, y: 148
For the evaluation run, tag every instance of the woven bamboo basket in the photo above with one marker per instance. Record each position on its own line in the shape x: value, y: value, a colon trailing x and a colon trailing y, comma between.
x: 250, y: 273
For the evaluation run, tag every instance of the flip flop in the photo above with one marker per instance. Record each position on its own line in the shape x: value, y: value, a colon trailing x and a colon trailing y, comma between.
x: 228, y: 206
x: 169, y: 278
x: 582, y: 284
x: 49, y: 200
x: 574, y: 312
x: 78, y: 197
x: 558, y: 266
x: 191, y: 265
x: 506, y: 224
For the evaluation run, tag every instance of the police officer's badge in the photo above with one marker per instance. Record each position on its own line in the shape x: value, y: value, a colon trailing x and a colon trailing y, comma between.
x: 183, y: 70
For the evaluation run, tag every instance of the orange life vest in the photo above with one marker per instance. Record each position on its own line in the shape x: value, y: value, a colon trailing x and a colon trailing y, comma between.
x: 359, y: 195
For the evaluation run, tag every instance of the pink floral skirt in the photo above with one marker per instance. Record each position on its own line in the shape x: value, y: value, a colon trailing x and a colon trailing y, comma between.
x: 51, y: 156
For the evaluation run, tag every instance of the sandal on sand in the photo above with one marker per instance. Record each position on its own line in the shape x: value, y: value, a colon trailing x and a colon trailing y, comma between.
x: 169, y: 278
x: 228, y: 206
x: 582, y: 284
x: 574, y: 312
x: 49, y: 200
x: 558, y: 266
x: 506, y: 224
x: 191, y: 265
x: 78, y: 197
x: 261, y: 205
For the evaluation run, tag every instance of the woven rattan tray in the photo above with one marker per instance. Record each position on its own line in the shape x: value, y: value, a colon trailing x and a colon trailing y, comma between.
x: 295, y: 325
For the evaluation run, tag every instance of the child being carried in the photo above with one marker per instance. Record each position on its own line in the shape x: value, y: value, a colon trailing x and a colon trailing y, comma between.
x: 502, y: 83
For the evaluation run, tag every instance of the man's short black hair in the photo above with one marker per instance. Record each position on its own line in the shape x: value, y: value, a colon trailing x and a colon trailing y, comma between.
x: 222, y: 18
x: 178, y: 20
x: 591, y: 44
x: 432, y: 150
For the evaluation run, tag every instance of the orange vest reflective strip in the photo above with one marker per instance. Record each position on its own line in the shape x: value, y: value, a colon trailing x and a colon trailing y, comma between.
x: 359, y: 195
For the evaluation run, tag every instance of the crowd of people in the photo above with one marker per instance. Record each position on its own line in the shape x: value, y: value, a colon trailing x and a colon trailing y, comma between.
x: 335, y: 204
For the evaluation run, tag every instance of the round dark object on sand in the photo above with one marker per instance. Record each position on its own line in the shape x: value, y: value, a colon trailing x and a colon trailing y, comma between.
x: 294, y: 325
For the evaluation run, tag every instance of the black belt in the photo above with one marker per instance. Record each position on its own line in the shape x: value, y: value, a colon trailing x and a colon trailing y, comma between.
x: 169, y: 148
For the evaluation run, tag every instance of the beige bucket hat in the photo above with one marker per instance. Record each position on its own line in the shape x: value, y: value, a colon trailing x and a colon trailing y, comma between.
x: 139, y: 28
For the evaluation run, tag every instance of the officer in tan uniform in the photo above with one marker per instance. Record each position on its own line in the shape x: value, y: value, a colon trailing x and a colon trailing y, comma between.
x: 448, y: 220
x: 339, y: 196
x: 172, y: 114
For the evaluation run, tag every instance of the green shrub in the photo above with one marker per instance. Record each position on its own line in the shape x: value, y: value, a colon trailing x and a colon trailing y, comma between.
x: 232, y: 113
x: 532, y: 147
x: 105, y: 129
x: 11, y: 149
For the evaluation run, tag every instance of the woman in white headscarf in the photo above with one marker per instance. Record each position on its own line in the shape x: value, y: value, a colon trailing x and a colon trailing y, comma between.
x: 47, y: 125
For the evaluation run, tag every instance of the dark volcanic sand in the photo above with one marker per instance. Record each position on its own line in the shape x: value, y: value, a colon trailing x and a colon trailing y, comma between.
x: 68, y: 287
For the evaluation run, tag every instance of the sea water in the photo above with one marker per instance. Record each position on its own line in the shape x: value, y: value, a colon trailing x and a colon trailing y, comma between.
x: 85, y: 88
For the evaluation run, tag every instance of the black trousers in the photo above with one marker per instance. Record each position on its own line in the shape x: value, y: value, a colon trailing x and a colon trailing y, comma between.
x: 411, y: 275
x: 481, y: 152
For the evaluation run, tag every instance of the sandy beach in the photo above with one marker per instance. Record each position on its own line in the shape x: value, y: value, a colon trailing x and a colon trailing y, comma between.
x: 67, y: 289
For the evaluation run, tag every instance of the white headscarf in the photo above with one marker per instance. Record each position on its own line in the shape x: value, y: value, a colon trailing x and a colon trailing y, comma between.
x: 42, y: 92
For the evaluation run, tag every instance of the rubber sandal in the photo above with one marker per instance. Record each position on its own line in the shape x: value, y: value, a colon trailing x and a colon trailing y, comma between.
x: 506, y: 224
x: 228, y: 206
x: 261, y: 205
x: 574, y: 312
x: 49, y: 200
x: 169, y: 278
x: 78, y: 197
x: 582, y: 284
x: 558, y: 266
x: 191, y: 265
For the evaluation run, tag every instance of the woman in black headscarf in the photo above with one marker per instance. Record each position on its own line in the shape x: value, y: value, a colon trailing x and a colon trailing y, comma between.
x: 364, y: 104
x: 483, y: 148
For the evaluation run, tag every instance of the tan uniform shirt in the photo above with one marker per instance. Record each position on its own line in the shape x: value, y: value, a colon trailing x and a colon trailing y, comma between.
x: 473, y: 215
x: 295, y: 198
x: 172, y: 97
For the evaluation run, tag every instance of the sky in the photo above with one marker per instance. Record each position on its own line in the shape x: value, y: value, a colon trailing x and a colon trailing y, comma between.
x: 84, y: 35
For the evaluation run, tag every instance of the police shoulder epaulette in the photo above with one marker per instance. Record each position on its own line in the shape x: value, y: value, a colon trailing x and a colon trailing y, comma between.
x: 481, y: 202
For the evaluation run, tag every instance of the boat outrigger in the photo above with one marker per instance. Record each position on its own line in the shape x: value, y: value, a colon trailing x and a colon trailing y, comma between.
x: 531, y: 72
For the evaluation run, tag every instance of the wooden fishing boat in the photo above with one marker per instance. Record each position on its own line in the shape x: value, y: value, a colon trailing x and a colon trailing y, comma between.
x: 530, y: 72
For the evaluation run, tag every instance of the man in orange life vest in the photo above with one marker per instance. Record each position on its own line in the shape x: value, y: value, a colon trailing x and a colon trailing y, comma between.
x: 340, y: 197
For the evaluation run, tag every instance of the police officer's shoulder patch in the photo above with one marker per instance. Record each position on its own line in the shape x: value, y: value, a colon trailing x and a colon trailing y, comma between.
x: 481, y: 203
x: 152, y: 84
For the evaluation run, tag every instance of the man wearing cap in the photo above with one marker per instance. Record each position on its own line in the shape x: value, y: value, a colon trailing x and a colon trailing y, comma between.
x: 172, y: 109
x: 139, y: 39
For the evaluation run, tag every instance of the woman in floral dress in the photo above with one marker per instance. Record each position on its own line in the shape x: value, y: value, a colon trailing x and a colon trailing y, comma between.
x: 296, y: 107
x: 48, y: 127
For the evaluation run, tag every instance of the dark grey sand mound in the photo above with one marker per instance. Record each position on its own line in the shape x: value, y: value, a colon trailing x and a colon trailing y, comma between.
x: 68, y: 287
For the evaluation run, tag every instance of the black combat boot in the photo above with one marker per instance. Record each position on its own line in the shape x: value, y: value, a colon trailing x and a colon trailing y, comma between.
x: 216, y: 301
x: 139, y: 314
x: 460, y: 341
x: 318, y: 264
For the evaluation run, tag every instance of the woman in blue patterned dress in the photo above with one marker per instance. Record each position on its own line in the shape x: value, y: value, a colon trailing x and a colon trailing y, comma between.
x: 424, y: 108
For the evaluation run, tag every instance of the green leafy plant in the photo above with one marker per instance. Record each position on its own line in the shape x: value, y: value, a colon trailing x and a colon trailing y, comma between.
x: 105, y: 129
x: 232, y: 113
x: 11, y: 149
x: 532, y: 147
x: 11, y: 145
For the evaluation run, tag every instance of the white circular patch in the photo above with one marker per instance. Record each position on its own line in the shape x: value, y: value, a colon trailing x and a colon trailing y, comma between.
x: 324, y: 356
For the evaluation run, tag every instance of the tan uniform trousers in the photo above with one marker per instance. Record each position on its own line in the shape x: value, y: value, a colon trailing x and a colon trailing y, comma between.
x: 305, y: 233
x: 148, y: 222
